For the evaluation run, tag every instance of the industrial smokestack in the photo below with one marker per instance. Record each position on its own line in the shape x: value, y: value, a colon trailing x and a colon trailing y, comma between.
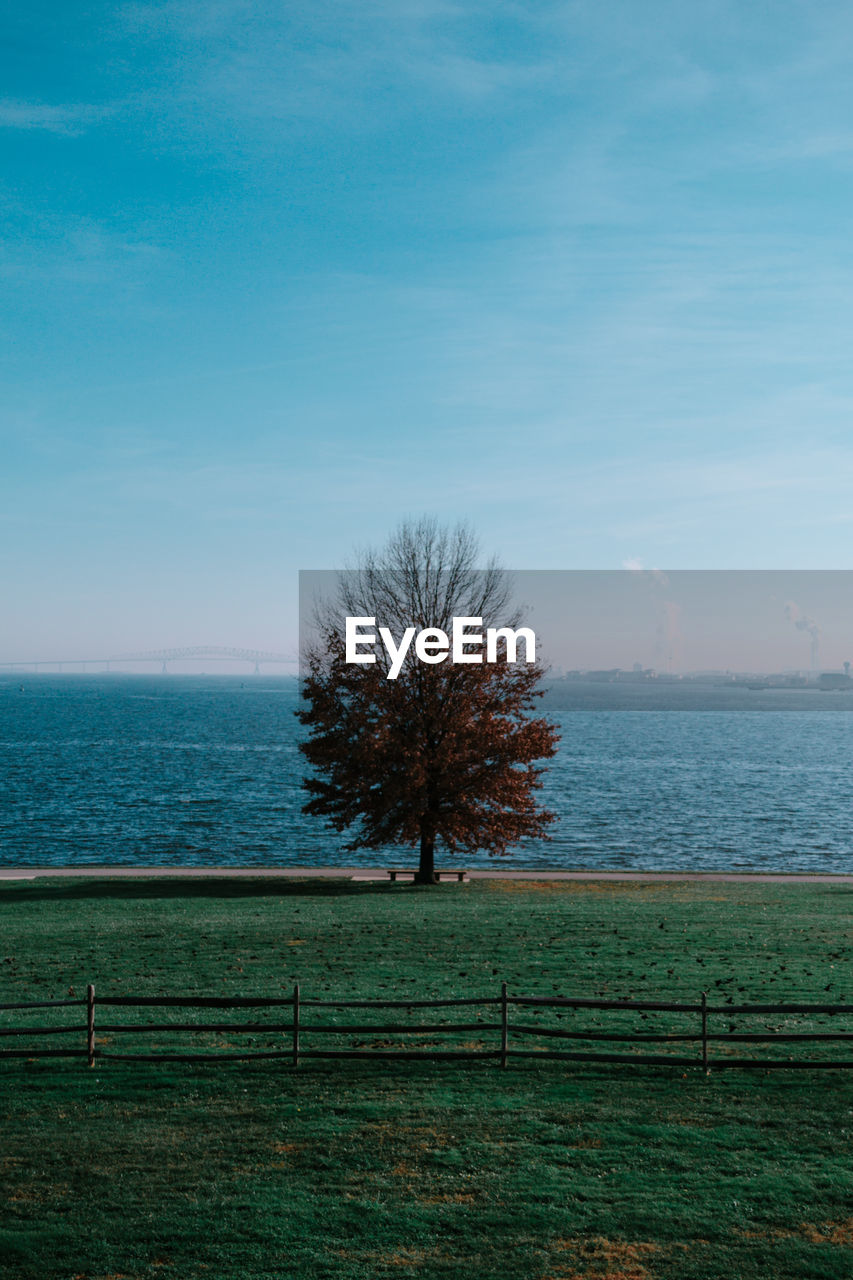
x: 794, y: 614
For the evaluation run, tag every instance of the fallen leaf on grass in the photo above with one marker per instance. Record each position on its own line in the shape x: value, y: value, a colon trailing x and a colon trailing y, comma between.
x: 829, y: 1232
x: 602, y: 1259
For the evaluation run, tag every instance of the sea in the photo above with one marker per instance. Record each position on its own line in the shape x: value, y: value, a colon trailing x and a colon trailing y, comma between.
x: 205, y: 771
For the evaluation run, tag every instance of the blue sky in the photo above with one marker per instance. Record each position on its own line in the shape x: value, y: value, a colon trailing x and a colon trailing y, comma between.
x: 277, y: 276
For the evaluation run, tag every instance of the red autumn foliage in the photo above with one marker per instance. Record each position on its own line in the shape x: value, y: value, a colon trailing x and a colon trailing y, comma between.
x: 445, y: 752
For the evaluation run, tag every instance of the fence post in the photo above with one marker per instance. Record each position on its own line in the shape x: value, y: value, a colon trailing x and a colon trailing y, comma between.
x: 90, y: 1024
x: 296, y: 1025
x: 705, y: 1067
x: 504, y: 1024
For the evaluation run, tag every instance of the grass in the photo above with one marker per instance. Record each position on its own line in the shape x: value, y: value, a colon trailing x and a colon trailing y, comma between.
x: 545, y: 1171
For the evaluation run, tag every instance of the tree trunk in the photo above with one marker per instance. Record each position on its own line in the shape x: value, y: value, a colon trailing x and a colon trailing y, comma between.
x: 426, y: 870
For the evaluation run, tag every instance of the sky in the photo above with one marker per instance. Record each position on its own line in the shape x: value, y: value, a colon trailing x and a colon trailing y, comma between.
x: 277, y: 276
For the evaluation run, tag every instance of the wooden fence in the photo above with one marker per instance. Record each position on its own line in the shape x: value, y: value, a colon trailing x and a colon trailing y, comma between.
x: 286, y: 1037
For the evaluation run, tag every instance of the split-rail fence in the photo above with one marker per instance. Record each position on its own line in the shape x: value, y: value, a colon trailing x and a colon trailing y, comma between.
x: 522, y: 1037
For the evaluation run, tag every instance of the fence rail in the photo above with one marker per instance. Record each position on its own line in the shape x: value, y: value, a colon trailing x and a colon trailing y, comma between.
x: 288, y: 1035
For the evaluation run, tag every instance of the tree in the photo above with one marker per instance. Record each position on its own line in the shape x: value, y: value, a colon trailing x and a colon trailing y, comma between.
x: 446, y: 751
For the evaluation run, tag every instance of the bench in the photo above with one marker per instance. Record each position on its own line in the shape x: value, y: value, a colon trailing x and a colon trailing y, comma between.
x: 413, y: 871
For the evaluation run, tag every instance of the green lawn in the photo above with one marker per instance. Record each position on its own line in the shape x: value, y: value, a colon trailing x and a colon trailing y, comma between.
x: 371, y: 1169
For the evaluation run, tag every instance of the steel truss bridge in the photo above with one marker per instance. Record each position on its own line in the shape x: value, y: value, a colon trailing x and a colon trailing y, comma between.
x: 210, y: 652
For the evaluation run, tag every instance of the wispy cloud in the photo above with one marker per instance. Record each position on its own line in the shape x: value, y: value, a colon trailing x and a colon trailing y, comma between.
x: 68, y: 118
x: 356, y: 66
x: 53, y: 252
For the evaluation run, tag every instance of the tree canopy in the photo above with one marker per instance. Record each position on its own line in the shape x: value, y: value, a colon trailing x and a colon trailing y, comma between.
x: 444, y: 752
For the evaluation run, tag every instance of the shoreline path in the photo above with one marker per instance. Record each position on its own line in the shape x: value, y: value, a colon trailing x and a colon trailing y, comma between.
x: 380, y: 873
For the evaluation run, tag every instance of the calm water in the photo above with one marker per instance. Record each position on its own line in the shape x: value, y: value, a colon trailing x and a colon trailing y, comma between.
x: 205, y: 771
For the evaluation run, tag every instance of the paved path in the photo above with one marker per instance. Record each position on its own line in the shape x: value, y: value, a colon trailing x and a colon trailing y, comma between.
x: 379, y: 873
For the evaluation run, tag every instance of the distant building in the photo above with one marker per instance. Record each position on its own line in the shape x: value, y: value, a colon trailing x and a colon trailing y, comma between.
x: 614, y: 675
x: 834, y: 680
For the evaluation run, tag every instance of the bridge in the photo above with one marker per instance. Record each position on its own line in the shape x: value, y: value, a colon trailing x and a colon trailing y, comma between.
x: 210, y: 652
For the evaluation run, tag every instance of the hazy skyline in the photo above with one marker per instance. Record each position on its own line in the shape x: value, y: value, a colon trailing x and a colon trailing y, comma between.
x: 766, y: 621
x: 278, y: 276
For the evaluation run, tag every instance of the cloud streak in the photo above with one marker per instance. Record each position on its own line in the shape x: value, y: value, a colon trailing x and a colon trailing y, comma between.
x: 69, y: 119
